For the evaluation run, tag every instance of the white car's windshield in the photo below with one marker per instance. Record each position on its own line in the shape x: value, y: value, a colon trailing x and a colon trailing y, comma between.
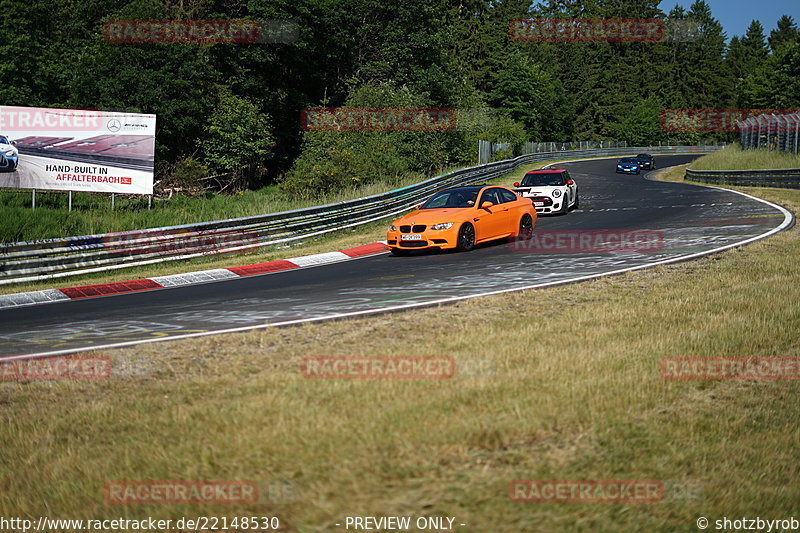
x: 4, y: 140
x: 543, y: 179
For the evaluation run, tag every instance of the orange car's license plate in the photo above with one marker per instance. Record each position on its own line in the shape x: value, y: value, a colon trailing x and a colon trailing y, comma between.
x: 414, y: 237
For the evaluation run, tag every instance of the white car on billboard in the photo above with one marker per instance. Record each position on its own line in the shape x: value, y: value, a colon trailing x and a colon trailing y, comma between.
x: 9, y: 155
x: 550, y: 189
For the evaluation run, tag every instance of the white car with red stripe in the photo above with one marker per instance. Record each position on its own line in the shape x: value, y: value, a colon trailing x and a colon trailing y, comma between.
x: 551, y: 190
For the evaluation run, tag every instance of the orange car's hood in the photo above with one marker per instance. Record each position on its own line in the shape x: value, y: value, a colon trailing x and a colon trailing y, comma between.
x: 434, y: 216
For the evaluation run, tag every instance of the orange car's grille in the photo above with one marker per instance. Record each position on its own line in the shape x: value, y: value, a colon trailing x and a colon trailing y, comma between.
x: 413, y: 244
x: 418, y: 228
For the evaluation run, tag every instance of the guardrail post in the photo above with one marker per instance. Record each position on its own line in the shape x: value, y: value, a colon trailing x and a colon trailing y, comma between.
x: 33, y: 199
x: 783, y: 128
x: 796, y: 131
x: 758, y: 139
x: 69, y: 202
x: 769, y: 133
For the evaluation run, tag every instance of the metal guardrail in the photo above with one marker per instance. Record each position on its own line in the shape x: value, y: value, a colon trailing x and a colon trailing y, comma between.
x: 487, y: 150
x: 786, y: 179
x: 61, y: 257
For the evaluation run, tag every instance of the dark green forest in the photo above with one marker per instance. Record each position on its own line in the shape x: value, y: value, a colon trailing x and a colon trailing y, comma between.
x: 233, y: 109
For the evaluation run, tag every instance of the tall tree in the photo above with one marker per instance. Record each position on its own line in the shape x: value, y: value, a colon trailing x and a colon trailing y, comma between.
x: 786, y: 32
x: 735, y: 58
x: 641, y: 126
x: 786, y: 84
x: 707, y: 75
x: 676, y: 83
x: 754, y: 45
x: 744, y: 57
x: 533, y: 97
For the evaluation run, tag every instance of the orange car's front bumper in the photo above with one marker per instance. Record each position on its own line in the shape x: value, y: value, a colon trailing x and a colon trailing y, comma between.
x: 430, y: 238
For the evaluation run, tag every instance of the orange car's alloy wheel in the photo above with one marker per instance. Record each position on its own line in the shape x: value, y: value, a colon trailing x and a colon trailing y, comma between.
x: 466, y: 238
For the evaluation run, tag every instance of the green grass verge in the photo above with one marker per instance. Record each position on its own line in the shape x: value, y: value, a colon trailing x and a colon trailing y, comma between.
x: 560, y: 383
x: 732, y: 157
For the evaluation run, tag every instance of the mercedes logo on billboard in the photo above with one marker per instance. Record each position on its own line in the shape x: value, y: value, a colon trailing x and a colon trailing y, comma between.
x: 114, y: 125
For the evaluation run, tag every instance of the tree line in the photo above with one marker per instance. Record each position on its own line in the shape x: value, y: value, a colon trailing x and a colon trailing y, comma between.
x: 234, y: 109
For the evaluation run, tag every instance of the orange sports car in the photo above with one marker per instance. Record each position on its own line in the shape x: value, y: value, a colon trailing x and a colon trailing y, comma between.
x: 462, y: 217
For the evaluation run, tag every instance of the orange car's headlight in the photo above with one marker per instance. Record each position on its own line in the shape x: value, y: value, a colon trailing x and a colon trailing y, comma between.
x: 443, y: 225
x: 392, y: 228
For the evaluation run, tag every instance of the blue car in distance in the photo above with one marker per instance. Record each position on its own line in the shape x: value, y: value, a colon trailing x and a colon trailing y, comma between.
x: 9, y: 157
x: 628, y: 165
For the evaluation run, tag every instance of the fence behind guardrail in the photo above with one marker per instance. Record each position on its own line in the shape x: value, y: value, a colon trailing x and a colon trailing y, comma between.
x: 771, y: 132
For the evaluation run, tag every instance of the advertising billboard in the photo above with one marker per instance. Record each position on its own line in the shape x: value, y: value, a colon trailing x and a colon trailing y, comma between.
x: 77, y: 150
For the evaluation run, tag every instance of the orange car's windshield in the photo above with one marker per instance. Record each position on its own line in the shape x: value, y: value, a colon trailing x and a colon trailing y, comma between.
x: 453, y: 198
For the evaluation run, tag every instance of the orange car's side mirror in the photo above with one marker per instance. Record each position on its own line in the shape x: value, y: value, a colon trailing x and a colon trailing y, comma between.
x: 516, y: 184
x: 486, y: 204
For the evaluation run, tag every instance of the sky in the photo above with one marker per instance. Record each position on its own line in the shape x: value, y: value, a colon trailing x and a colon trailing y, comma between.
x: 735, y: 15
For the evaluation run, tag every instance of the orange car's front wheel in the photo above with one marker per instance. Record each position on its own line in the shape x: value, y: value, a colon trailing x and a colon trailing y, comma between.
x: 466, y: 238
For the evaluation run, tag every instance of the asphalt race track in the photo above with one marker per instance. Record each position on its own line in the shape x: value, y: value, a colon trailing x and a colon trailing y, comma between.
x: 686, y: 219
x: 30, y: 174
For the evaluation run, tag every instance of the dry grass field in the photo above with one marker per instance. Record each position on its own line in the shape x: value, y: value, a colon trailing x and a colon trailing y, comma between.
x: 561, y: 383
